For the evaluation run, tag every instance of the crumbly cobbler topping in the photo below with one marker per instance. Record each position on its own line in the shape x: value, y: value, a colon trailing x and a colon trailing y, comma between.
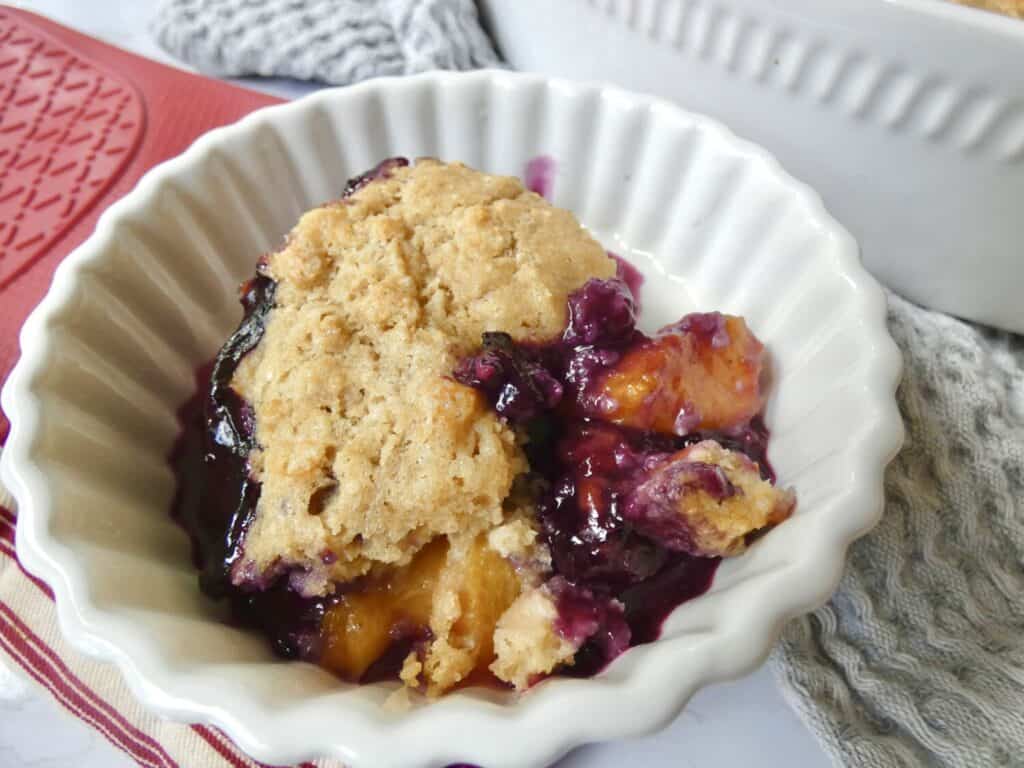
x: 367, y: 449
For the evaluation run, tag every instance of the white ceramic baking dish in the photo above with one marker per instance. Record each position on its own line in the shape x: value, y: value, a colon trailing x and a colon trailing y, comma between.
x: 906, y: 115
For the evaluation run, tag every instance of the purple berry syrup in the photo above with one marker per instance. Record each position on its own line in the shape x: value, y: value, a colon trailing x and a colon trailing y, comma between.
x: 614, y: 585
x: 539, y: 175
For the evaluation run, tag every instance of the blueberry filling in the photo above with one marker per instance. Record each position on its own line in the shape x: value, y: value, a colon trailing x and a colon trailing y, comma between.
x: 602, y: 313
x: 539, y: 175
x: 517, y: 386
x: 622, y: 557
x: 380, y: 171
x: 218, y: 510
x: 651, y: 506
x: 629, y: 275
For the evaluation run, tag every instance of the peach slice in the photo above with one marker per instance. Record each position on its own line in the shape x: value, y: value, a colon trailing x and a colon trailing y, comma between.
x: 488, y: 586
x: 362, y: 626
x: 702, y: 373
x: 367, y: 623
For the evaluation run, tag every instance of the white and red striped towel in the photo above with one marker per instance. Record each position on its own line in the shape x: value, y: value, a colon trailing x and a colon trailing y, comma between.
x: 90, y: 690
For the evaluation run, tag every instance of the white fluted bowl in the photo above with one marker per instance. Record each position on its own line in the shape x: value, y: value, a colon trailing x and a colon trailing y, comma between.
x: 109, y: 355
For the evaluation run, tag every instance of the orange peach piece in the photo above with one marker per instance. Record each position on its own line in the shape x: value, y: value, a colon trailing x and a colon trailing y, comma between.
x: 686, y: 381
x: 489, y: 585
x: 358, y: 629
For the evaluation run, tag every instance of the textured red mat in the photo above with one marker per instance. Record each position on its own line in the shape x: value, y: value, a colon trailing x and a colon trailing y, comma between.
x: 80, y: 122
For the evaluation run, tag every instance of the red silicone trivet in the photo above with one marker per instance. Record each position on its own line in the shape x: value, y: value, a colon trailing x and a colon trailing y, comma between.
x: 80, y: 122
x: 67, y: 129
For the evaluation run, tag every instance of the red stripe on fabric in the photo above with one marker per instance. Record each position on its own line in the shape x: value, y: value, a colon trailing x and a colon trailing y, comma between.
x: 95, y: 699
x: 225, y: 751
x: 217, y: 739
x: 220, y: 742
x: 297, y: 765
x: 40, y: 669
x: 8, y: 514
x: 8, y: 549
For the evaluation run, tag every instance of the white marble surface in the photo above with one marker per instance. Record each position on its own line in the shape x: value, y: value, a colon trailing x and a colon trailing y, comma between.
x: 35, y: 732
x: 732, y: 725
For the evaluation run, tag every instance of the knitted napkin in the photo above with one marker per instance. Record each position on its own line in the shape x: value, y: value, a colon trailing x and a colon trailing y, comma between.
x: 334, y: 41
x: 918, y: 660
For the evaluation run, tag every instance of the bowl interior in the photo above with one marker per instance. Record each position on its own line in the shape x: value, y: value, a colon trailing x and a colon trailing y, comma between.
x: 712, y: 223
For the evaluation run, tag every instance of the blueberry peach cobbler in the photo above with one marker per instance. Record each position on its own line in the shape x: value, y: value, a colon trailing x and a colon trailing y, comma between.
x: 438, y: 449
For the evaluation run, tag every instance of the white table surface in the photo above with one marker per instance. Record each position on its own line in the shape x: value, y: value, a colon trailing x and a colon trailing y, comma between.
x: 733, y: 725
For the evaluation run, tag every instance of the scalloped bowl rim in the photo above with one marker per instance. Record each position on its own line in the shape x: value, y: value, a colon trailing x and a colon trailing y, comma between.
x: 737, y: 644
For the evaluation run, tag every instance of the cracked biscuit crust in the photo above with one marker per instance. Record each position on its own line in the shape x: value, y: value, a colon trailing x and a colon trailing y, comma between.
x: 367, y: 450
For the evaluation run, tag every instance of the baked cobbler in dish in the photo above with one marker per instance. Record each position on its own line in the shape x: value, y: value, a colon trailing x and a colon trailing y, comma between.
x: 438, y: 449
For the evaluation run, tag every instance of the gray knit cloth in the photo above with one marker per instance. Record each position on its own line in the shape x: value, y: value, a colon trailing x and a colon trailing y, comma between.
x: 918, y: 660
x: 334, y: 41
